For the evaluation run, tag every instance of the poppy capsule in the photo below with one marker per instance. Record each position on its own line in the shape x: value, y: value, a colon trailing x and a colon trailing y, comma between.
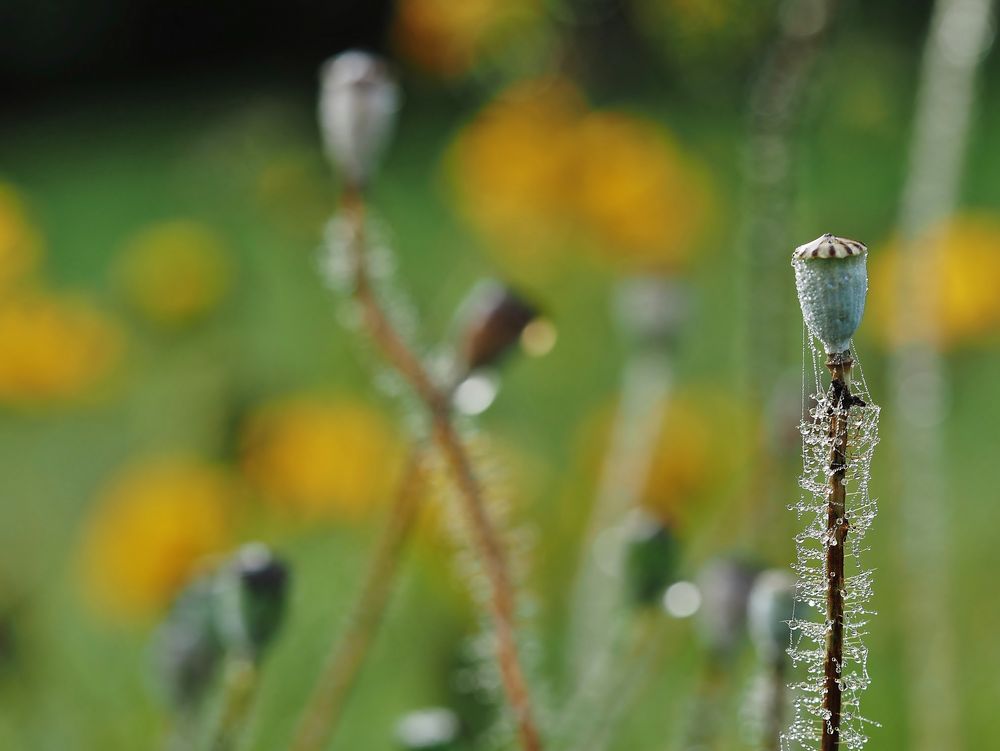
x: 831, y: 277
x: 357, y: 113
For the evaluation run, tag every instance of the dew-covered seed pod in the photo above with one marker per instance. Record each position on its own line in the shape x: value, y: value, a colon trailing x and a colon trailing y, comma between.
x: 187, y: 648
x: 493, y: 318
x: 831, y: 277
x: 725, y: 585
x: 651, y: 558
x: 433, y: 729
x: 252, y: 592
x: 357, y: 112
x: 771, y: 607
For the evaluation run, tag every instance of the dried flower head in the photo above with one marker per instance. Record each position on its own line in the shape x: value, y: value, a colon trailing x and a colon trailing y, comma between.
x: 357, y: 112
x: 831, y: 277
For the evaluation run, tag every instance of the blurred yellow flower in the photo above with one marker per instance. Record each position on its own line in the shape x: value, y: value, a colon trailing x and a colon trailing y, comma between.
x: 513, y: 165
x: 20, y: 243
x: 53, y: 347
x: 174, y: 273
x: 448, y: 38
x: 150, y: 530
x: 642, y: 202
x: 319, y: 458
x: 542, y: 176
x: 960, y: 282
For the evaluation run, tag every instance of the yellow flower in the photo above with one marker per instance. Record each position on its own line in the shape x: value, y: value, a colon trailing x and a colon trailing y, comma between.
x: 149, y: 531
x: 53, y: 347
x: 512, y: 166
x: 318, y: 458
x: 448, y: 38
x: 541, y: 176
x: 175, y: 273
x: 959, y: 282
x: 20, y: 243
x: 642, y: 202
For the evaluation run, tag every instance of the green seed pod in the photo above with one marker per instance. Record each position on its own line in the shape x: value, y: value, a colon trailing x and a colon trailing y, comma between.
x: 357, y: 112
x: 651, y: 309
x: 771, y: 607
x: 252, y: 592
x: 651, y: 557
x: 725, y: 585
x: 831, y: 278
x: 434, y: 729
x: 187, y: 648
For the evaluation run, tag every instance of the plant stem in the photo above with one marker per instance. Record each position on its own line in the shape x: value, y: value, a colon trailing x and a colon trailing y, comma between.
x: 347, y: 655
x: 238, y: 692
x: 775, y: 714
x: 485, y: 537
x: 836, y: 529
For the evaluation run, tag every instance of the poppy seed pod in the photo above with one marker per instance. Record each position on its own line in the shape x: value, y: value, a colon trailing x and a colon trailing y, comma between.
x: 357, y: 112
x: 252, y: 593
x: 725, y: 586
x: 771, y: 607
x: 186, y: 647
x: 831, y: 277
x: 494, y: 318
x: 651, y: 556
x: 652, y: 309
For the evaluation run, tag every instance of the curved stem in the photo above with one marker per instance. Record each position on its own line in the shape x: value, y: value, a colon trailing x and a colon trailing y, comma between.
x: 485, y: 537
x: 348, y: 653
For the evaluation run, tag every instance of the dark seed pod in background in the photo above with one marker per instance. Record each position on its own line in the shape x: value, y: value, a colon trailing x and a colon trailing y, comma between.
x: 651, y: 558
x: 725, y: 586
x: 770, y: 608
x: 252, y: 592
x: 493, y: 318
x: 357, y: 113
x: 433, y: 729
x: 187, y: 648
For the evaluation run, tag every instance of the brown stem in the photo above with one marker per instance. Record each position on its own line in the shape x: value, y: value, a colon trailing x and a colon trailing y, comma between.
x: 325, y: 706
x: 485, y: 537
x: 837, y: 525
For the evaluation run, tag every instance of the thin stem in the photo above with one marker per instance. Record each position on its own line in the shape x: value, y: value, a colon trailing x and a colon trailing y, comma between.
x: 340, y: 672
x: 774, y: 719
x: 238, y: 692
x: 837, y: 527
x: 485, y: 537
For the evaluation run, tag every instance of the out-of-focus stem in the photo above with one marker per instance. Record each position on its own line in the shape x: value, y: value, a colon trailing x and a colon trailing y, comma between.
x: 339, y: 674
x: 837, y: 527
x: 239, y: 687
x: 774, y: 713
x: 635, y: 432
x: 485, y: 538
x: 959, y: 34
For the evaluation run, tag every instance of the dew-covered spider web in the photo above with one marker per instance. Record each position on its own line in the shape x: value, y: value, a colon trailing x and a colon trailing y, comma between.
x: 810, y: 625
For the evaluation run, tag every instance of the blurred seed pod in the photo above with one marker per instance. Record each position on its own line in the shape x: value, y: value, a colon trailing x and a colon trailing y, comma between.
x: 252, y: 592
x: 432, y: 729
x: 652, y: 309
x: 725, y: 585
x: 357, y: 112
x: 493, y: 319
x: 831, y: 277
x: 187, y: 649
x: 770, y: 608
x: 651, y: 558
